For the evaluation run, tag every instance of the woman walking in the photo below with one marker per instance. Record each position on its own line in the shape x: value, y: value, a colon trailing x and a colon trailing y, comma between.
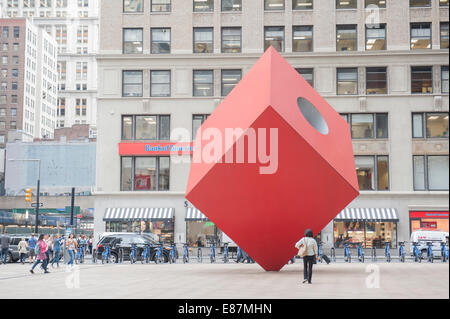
x: 41, y: 257
x: 56, y: 249
x: 23, y: 250
x: 71, y: 245
x: 308, y: 249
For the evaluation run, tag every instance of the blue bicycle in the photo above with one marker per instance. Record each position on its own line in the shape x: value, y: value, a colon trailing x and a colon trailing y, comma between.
x: 239, y: 255
x: 133, y: 255
x: 106, y: 255
x: 80, y: 255
x: 173, y: 253
x: 401, y: 251
x: 347, y: 254
x: 186, y: 254
x: 360, y: 253
x: 145, y: 256
x: 159, y: 256
x: 387, y: 253
x: 416, y: 253
x: 430, y: 251
x: 444, y: 252
x: 212, y: 256
x: 225, y: 253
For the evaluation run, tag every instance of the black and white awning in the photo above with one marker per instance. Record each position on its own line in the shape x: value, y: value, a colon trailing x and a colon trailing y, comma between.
x: 138, y: 214
x: 194, y: 214
x: 368, y: 214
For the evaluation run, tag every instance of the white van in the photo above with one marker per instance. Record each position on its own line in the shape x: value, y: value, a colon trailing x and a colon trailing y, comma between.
x: 423, y: 236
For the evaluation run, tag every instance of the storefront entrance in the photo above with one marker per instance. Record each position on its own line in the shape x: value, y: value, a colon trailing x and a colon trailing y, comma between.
x: 429, y: 220
x: 199, y: 230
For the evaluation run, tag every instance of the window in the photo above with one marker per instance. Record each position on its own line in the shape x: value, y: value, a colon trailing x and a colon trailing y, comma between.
x: 132, y: 84
x: 4, y: 73
x: 80, y: 107
x: 421, y: 79
x: 145, y: 173
x: 5, y: 47
x: 375, y: 37
x: 161, y: 6
x: 430, y: 172
x: 13, y: 112
x: 82, y: 34
x: 15, y: 73
x: 273, y: 4
x: 132, y: 41
x: 378, y: 3
x: 5, y: 32
x: 2, y: 112
x: 14, y: 86
x: 302, y: 4
x: 376, y: 80
x: 231, y: 5
x: 81, y: 71
x: 16, y: 32
x: 15, y: 60
x: 420, y: 36
x: 443, y: 3
x: 302, y: 39
x: 346, y: 38
x: 14, y: 99
x: 444, y: 79
x: 430, y: 125
x: 146, y: 127
x: 444, y: 35
x: 61, y: 106
x: 367, y: 126
x: 372, y: 172
x: 4, y: 59
x: 203, y: 83
x: 419, y: 3
x: 203, y: 5
x: 197, y: 121
x: 307, y: 74
x: 2, y: 99
x: 347, y: 81
x: 160, y: 40
x: 203, y: 40
x: 133, y: 5
x: 346, y: 4
x: 231, y: 40
x: 369, y: 234
x: 274, y: 36
x: 160, y: 83
x: 230, y: 78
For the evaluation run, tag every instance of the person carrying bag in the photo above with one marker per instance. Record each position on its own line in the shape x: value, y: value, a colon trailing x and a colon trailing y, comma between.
x: 308, y: 250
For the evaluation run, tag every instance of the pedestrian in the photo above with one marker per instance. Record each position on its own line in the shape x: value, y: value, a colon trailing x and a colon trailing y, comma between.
x: 32, y: 245
x: 56, y: 249
x: 71, y: 245
x: 49, y: 242
x: 307, y: 247
x: 4, y: 241
x: 90, y: 245
x: 41, y: 257
x: 23, y: 250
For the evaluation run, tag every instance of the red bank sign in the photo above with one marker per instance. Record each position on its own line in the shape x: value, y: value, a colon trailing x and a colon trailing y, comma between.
x: 428, y: 214
x: 155, y: 148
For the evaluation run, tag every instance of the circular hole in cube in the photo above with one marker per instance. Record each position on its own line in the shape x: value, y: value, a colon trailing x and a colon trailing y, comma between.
x: 312, y: 115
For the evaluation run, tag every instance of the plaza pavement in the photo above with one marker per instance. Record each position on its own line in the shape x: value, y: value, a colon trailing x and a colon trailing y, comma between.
x: 227, y: 281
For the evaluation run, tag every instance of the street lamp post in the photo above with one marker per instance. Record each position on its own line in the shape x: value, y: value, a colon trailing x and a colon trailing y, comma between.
x: 36, y: 227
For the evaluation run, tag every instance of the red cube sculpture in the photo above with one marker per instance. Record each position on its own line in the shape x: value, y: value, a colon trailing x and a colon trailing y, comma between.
x: 261, y: 205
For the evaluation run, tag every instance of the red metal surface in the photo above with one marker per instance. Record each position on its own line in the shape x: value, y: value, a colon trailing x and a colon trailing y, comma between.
x: 266, y: 214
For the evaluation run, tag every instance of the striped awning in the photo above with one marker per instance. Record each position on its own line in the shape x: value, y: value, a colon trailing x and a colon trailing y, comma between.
x: 138, y: 214
x: 195, y: 214
x: 368, y: 214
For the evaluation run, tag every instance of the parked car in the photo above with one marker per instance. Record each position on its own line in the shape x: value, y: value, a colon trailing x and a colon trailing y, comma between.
x: 423, y: 236
x: 125, y: 241
x: 14, y: 254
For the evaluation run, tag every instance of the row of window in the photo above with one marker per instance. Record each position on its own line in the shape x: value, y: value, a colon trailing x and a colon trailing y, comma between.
x: 430, y: 173
x: 133, y: 6
x: 302, y: 38
x: 45, y: 3
x: 346, y: 81
x: 15, y: 33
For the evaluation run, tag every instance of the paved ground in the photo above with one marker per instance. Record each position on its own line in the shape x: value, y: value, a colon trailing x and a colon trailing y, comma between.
x: 337, y: 280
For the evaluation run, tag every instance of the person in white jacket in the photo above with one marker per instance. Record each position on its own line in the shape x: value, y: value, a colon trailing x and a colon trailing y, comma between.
x: 311, y: 254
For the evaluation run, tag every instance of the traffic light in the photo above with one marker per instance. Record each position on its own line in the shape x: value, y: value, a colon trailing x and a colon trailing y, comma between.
x: 28, y: 194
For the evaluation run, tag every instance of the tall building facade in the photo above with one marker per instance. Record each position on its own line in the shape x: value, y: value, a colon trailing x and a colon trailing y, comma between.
x: 74, y: 25
x: 28, y: 94
x: 165, y: 65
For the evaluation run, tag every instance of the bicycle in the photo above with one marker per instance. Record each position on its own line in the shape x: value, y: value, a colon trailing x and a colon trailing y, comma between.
x: 186, y: 254
x: 159, y: 256
x: 347, y: 254
x: 416, y: 253
x: 430, y: 251
x: 199, y: 255
x: 387, y: 253
x: 444, y: 252
x: 374, y: 254
x: 133, y: 256
x: 319, y: 248
x: 401, y: 251
x: 94, y: 256
x: 239, y: 255
x: 225, y: 253
x: 360, y: 253
x: 106, y: 256
x: 80, y: 255
x: 145, y: 256
x: 212, y: 256
x: 333, y: 254
x: 173, y: 254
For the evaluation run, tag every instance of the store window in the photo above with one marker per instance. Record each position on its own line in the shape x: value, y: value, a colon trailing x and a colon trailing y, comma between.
x: 197, y: 121
x: 419, y: 3
x: 160, y: 83
x: 274, y: 36
x: 376, y: 80
x: 346, y: 38
x: 375, y: 37
x: 444, y: 79
x: 420, y: 36
x: 347, y: 81
x: 203, y: 5
x: 372, y: 172
x: 307, y: 74
x: 346, y: 4
x: 230, y: 78
x: 161, y: 6
x: 231, y: 40
x: 302, y: 39
x: 132, y: 84
x: 429, y: 220
x: 203, y: 40
x: 160, y: 40
x: 443, y: 3
x: 133, y: 5
x: 444, y: 35
x: 160, y: 230
x: 430, y: 125
x: 302, y: 4
x: 421, y: 79
x: 201, y: 233
x: 369, y: 234
x: 378, y: 3
x: 273, y: 4
x: 231, y: 5
x: 431, y: 172
x: 146, y: 127
x: 132, y: 41
x: 203, y: 83
x: 145, y: 174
